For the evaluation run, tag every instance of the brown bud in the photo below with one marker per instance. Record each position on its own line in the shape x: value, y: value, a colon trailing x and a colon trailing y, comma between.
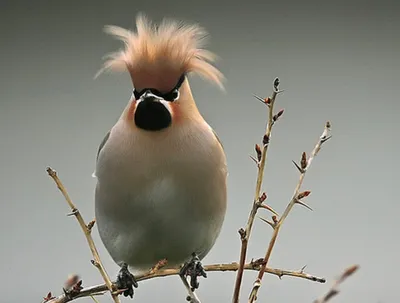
x: 303, y: 160
x: 77, y: 287
x: 242, y: 233
x: 94, y: 263
x: 267, y: 100
x: 275, y: 219
x: 265, y: 139
x: 303, y: 194
x: 160, y: 264
x: 262, y: 198
x: 48, y: 297
x: 258, y: 151
x: 276, y: 116
x: 349, y: 271
x: 91, y: 224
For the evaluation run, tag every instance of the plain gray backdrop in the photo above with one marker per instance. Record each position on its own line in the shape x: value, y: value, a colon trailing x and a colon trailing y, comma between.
x: 337, y: 61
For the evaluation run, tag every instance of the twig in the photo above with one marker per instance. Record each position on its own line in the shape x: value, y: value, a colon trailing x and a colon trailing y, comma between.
x: 333, y: 291
x: 261, y: 163
x: 296, y: 199
x: 151, y: 274
x: 87, y: 231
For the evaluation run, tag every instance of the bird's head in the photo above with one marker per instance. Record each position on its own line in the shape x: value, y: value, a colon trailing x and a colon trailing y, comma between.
x: 159, y: 59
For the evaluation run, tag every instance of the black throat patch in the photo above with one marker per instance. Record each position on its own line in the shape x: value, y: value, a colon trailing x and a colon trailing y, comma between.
x: 152, y: 115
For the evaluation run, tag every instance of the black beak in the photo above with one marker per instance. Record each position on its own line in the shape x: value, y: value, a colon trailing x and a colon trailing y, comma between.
x: 151, y: 114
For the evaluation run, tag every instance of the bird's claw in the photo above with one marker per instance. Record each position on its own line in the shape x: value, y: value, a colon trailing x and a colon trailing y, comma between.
x: 194, y: 269
x: 125, y: 280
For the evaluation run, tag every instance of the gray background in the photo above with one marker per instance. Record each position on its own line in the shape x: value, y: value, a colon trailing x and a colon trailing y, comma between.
x: 337, y: 60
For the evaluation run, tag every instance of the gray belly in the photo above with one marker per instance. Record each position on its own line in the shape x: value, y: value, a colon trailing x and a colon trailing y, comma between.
x: 166, y: 217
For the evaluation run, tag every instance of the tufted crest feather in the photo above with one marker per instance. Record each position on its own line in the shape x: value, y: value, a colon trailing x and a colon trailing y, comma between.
x: 173, y: 47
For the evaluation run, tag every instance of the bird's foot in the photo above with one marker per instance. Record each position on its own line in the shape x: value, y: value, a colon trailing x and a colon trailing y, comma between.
x: 193, y: 269
x: 126, y: 281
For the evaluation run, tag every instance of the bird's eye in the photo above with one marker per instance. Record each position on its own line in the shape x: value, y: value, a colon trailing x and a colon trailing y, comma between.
x: 175, y: 94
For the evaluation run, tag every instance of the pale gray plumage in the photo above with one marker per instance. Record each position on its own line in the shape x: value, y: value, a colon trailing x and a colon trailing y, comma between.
x: 161, y: 194
x: 150, y: 206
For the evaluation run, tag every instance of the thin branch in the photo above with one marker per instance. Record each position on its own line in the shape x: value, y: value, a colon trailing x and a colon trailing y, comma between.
x: 295, y: 200
x: 262, y: 160
x: 87, y: 231
x: 255, y: 265
x: 259, y: 265
x: 333, y: 291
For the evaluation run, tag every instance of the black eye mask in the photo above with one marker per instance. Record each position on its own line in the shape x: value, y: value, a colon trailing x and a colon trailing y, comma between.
x: 171, y: 96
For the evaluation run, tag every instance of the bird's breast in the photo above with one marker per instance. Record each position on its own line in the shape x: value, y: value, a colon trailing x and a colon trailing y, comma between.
x: 160, y: 199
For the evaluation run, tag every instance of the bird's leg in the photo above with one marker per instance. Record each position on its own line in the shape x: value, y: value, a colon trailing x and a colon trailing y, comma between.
x: 193, y: 269
x: 125, y: 280
x: 192, y: 297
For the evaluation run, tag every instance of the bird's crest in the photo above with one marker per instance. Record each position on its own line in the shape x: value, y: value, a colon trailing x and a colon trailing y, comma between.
x: 157, y: 52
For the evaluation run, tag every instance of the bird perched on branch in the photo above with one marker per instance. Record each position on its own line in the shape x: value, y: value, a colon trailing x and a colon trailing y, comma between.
x: 161, y: 169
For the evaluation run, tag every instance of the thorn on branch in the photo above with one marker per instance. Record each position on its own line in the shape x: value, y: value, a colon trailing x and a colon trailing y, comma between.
x: 255, y: 160
x: 325, y: 138
x: 266, y: 101
x: 267, y: 207
x: 272, y: 224
x: 74, y: 212
x: 298, y: 167
x: 304, y: 204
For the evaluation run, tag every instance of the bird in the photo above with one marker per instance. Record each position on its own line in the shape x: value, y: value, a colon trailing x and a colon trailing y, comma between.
x: 161, y: 170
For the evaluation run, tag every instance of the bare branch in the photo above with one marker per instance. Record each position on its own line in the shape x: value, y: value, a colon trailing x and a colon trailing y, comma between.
x: 333, y: 291
x: 74, y: 289
x: 262, y: 160
x: 305, y: 164
x: 87, y: 231
x: 151, y: 274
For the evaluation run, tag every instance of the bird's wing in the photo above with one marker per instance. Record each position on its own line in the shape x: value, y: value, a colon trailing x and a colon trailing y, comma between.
x: 102, y: 143
x: 222, y: 147
x: 216, y: 137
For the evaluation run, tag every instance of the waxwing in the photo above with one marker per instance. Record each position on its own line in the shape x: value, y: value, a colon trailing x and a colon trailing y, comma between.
x: 161, y: 170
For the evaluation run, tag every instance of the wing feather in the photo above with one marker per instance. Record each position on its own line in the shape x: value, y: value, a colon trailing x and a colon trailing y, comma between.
x: 102, y: 143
